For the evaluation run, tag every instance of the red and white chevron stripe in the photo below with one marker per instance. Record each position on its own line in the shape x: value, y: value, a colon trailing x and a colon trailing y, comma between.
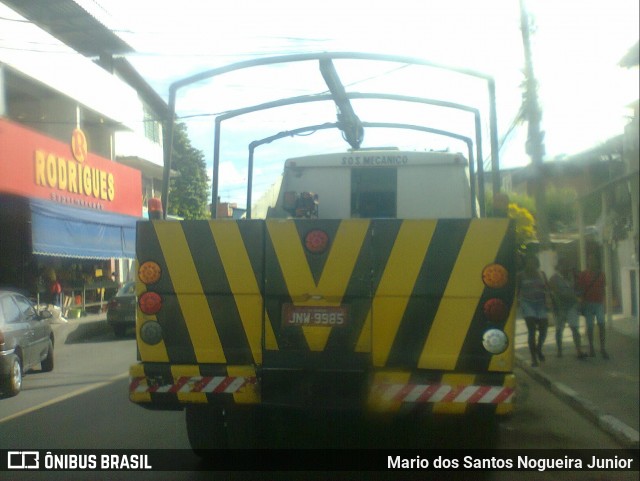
x: 423, y: 393
x: 204, y: 384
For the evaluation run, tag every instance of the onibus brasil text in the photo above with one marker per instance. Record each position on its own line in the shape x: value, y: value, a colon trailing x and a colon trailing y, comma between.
x: 94, y: 461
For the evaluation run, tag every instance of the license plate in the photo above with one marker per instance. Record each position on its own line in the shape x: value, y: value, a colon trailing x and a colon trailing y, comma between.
x: 315, y: 316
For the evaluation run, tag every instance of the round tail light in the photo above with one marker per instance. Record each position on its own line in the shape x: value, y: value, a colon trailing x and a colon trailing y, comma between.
x: 495, y: 310
x: 151, y: 332
x: 495, y: 341
x: 495, y: 276
x: 316, y: 241
x: 150, y: 303
x: 149, y: 272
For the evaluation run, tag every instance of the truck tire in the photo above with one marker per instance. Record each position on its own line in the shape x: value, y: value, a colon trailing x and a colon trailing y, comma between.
x: 206, y: 428
x: 244, y: 427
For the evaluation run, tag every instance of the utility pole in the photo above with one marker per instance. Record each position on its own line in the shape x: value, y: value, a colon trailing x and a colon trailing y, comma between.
x: 535, y: 141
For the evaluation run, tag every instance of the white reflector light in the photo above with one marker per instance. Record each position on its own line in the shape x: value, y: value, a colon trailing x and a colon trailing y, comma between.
x: 151, y: 332
x: 495, y: 341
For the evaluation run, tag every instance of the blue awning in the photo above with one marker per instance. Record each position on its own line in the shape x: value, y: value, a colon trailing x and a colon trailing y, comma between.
x: 61, y: 230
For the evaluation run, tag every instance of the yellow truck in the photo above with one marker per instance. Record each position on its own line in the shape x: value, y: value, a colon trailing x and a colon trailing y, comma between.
x: 365, y: 281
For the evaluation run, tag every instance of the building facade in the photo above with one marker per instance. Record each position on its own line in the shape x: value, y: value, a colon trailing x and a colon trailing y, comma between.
x: 80, y: 151
x: 605, y: 179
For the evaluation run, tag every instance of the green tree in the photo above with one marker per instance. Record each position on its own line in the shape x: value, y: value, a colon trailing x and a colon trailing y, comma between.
x: 521, y: 200
x: 189, y: 190
x: 561, y: 208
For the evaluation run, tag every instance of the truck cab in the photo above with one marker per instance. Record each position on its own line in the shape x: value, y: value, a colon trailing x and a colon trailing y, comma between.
x: 376, y: 183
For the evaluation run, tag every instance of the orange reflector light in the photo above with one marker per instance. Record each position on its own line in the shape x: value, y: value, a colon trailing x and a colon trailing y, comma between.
x: 150, y: 303
x: 149, y: 272
x: 316, y: 241
x: 495, y: 310
x: 495, y: 276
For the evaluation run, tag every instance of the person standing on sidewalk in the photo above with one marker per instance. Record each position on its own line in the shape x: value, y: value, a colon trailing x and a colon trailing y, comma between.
x: 565, y: 305
x: 54, y: 288
x: 591, y: 288
x: 532, y: 298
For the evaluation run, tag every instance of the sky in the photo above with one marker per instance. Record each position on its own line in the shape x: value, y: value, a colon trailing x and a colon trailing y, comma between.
x: 576, y: 47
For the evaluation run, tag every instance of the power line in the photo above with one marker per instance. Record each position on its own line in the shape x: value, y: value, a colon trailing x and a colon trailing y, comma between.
x: 17, y: 20
x: 36, y: 50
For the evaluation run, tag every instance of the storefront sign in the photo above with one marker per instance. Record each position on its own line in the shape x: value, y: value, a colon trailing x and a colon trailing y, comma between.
x: 34, y: 165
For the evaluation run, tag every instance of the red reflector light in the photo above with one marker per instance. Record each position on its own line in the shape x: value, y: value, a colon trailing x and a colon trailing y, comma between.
x: 495, y: 310
x: 150, y: 303
x: 316, y: 241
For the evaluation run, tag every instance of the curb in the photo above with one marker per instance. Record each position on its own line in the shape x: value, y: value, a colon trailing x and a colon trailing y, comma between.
x: 622, y: 433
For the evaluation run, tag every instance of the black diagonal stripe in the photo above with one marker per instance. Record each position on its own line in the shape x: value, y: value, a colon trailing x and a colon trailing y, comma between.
x: 317, y: 261
x: 364, y: 280
x: 430, y: 285
x: 287, y: 337
x: 383, y: 236
x: 253, y: 232
x: 473, y: 356
x: 175, y: 334
x: 219, y: 295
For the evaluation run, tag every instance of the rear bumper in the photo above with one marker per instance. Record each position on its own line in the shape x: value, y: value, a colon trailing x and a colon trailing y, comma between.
x: 163, y: 386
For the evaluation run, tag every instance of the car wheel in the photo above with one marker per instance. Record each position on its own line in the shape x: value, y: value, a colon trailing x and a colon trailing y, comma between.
x: 47, y: 363
x: 13, y: 382
x: 119, y: 330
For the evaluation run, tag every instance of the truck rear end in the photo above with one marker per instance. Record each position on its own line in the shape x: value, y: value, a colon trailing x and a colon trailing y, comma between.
x: 375, y: 314
x: 372, y: 283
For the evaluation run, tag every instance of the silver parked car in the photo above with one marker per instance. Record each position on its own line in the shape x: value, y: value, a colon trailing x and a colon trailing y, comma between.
x: 26, y: 340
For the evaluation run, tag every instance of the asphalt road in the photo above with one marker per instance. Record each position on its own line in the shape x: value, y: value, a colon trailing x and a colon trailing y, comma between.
x: 83, y: 404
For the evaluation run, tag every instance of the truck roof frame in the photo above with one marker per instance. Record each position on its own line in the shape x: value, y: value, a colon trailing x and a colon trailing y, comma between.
x: 350, y: 124
x: 326, y: 97
x: 329, y: 125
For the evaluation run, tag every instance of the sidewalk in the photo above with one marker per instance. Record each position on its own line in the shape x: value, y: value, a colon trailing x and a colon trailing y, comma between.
x: 80, y: 329
x: 605, y: 391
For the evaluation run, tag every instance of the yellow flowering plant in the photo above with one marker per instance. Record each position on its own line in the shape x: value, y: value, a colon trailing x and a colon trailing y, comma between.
x: 525, y: 224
